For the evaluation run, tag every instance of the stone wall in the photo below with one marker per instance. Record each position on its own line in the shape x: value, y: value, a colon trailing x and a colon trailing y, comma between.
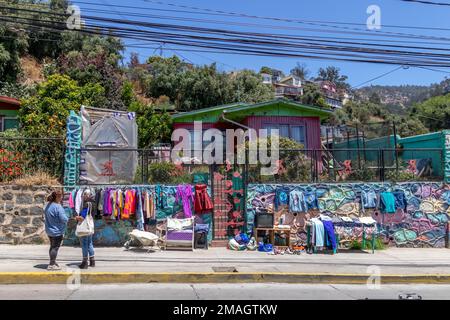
x: 21, y: 215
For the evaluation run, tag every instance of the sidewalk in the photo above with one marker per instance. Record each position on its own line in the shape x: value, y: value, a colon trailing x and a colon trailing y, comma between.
x: 118, y: 265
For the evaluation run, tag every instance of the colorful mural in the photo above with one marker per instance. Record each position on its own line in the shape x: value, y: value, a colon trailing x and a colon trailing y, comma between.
x: 424, y: 223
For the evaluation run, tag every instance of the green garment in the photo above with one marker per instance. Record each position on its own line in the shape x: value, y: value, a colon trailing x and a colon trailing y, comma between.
x: 387, y: 202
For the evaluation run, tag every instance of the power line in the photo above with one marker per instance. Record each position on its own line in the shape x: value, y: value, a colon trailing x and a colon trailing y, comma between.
x: 428, y: 2
x: 248, y: 42
x: 378, y: 77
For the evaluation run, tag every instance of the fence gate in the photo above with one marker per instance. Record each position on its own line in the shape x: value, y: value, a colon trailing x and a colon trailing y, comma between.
x: 229, y: 190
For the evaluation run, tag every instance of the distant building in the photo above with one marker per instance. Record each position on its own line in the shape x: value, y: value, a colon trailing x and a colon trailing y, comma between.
x: 9, y: 110
x: 288, y: 87
x: 333, y: 96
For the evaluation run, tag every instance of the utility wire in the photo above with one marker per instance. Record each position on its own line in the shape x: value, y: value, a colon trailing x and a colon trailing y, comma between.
x: 378, y: 77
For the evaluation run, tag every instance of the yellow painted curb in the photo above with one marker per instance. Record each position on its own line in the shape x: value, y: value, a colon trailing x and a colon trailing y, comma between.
x: 52, y: 277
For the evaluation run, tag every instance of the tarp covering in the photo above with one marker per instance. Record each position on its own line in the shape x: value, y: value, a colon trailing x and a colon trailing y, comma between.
x: 105, y: 165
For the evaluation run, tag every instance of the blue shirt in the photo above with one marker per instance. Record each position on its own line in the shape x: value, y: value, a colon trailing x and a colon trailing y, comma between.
x: 55, y: 220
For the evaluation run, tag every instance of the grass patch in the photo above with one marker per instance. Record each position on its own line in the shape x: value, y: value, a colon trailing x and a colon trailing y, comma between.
x: 36, y: 179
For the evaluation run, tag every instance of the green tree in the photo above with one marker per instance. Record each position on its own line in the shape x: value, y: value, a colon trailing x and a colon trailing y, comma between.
x: 195, y: 87
x: 300, y: 70
x: 312, y: 95
x: 333, y: 75
x: 247, y: 86
x: 434, y: 112
x: 44, y: 114
x: 153, y: 126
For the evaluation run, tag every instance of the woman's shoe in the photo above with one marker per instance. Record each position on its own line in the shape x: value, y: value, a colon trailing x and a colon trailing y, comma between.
x: 91, y: 262
x: 84, y: 264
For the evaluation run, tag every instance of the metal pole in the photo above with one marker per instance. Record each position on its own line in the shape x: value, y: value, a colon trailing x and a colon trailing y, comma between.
x: 395, y: 146
x: 357, y: 145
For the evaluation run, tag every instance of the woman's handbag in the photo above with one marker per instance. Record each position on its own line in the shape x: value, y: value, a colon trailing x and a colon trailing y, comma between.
x: 85, y: 227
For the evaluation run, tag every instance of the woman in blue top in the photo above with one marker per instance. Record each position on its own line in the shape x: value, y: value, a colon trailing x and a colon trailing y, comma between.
x: 55, y: 226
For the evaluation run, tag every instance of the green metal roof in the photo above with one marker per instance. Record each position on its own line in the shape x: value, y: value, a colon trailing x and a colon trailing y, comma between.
x: 276, y: 107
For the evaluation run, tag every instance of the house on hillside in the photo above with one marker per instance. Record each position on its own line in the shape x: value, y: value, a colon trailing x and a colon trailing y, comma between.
x: 331, y: 93
x: 9, y: 110
x: 293, y: 120
x: 289, y: 87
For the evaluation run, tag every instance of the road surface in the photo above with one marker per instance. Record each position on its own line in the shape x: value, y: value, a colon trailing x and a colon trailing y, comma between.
x: 263, y: 291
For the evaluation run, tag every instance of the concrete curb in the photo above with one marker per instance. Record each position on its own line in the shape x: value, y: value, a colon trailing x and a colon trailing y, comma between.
x: 52, y: 277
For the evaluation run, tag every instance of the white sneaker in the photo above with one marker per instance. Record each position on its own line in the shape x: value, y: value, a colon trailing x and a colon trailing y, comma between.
x: 54, y: 267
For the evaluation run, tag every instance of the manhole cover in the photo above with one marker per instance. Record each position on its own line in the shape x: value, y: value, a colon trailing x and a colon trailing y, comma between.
x: 409, y: 296
x: 224, y: 269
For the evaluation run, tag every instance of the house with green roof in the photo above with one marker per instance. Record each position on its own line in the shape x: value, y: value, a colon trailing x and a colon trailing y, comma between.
x: 9, y: 110
x: 293, y: 120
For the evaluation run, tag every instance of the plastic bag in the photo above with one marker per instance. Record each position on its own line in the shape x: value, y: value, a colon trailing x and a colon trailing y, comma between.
x: 86, y: 227
x: 234, y: 245
x: 251, y: 245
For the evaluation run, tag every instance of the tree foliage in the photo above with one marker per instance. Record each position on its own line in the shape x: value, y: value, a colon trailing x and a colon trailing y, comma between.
x: 45, y: 114
x: 434, y: 112
x: 333, y: 74
x: 194, y: 87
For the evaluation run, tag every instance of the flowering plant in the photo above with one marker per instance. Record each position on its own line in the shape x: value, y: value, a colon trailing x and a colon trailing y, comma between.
x: 10, y: 165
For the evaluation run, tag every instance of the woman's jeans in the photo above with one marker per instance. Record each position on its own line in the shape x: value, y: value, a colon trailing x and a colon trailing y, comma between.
x: 87, y: 246
x: 55, y: 243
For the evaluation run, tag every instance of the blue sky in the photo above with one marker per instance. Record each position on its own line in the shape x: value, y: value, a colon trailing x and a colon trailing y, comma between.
x: 393, y: 12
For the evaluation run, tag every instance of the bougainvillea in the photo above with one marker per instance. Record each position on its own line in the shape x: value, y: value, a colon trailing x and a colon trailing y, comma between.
x: 10, y: 165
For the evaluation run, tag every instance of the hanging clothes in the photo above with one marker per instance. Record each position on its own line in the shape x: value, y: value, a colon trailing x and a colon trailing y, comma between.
x: 161, y: 200
x: 296, y: 201
x: 281, y: 196
x: 387, y: 202
x: 184, y: 193
x: 139, y: 211
x: 318, y: 232
x: 368, y: 199
x: 311, y: 201
x: 400, y: 200
x: 78, y: 201
x: 202, y: 203
x: 329, y: 233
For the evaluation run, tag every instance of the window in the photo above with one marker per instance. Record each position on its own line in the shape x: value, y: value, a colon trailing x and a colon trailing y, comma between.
x: 294, y: 132
x: 10, y: 123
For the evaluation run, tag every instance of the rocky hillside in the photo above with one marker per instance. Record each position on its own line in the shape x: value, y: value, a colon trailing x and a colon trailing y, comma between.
x: 400, y: 98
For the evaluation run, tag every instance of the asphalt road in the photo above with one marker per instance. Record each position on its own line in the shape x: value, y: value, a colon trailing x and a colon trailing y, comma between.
x: 263, y: 291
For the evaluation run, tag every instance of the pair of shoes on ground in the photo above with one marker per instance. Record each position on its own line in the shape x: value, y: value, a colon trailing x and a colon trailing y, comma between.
x: 84, y: 263
x: 53, y: 267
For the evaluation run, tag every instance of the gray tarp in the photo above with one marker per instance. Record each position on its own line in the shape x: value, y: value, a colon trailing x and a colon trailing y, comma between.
x: 114, y: 130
